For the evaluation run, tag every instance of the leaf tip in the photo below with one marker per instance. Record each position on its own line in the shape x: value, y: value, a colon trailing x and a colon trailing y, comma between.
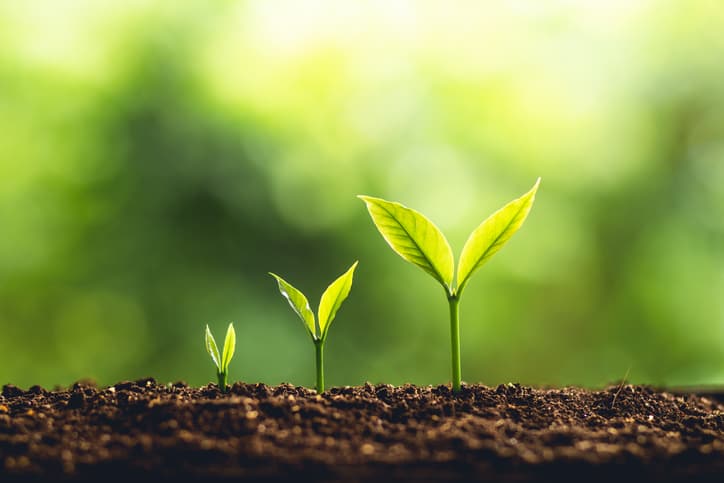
x: 366, y: 199
x: 530, y: 195
x: 371, y: 200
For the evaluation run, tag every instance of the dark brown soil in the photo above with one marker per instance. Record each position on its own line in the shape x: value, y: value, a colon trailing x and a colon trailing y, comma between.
x: 145, y: 431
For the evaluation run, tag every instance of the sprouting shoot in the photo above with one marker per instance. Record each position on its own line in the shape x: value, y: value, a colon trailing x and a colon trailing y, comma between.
x: 318, y: 328
x: 416, y: 239
x: 222, y: 363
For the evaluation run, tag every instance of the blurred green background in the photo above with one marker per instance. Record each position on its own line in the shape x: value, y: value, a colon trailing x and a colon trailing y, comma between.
x: 158, y: 158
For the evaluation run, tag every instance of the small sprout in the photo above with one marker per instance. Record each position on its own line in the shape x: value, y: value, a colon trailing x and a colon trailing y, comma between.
x: 222, y: 363
x: 420, y: 242
x: 318, y: 328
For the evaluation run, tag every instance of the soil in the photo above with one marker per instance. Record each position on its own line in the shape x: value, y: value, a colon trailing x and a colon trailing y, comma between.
x: 146, y: 431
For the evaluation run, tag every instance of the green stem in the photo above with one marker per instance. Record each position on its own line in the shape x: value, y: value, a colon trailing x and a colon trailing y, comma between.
x: 221, y: 377
x: 454, y: 302
x: 319, y: 350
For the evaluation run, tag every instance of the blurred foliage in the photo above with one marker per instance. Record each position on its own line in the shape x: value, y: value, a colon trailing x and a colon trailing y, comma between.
x: 158, y: 158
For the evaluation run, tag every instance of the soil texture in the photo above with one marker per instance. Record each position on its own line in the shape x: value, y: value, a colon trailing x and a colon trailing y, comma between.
x: 147, y: 431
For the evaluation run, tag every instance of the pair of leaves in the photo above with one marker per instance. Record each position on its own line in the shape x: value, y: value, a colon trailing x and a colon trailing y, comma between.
x: 416, y: 239
x: 329, y: 304
x: 222, y: 363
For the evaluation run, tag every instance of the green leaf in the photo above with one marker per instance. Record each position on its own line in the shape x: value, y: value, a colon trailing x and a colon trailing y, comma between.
x: 299, y: 303
x: 413, y: 237
x: 229, y: 348
x: 332, y: 299
x: 492, y: 234
x: 211, y: 348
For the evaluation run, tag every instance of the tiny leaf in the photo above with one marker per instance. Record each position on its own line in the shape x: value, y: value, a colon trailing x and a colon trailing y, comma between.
x: 299, y: 304
x: 332, y: 299
x: 229, y: 348
x: 211, y: 348
x: 492, y: 234
x: 413, y: 237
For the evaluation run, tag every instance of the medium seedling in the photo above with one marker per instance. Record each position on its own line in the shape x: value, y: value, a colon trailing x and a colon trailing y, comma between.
x: 222, y: 363
x: 416, y: 239
x: 318, y: 328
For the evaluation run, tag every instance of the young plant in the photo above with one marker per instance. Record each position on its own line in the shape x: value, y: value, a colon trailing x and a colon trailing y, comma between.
x: 318, y: 328
x: 222, y: 363
x: 416, y: 239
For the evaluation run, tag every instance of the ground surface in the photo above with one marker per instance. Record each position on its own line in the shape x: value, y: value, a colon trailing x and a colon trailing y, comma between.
x: 143, y: 430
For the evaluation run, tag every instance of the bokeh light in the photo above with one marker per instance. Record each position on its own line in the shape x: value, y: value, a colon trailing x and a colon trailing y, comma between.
x: 158, y: 158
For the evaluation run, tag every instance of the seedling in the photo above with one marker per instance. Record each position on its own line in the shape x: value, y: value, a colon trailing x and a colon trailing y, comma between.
x: 222, y: 363
x: 318, y: 328
x: 416, y: 239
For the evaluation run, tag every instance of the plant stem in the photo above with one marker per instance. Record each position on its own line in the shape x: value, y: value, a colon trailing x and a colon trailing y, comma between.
x: 454, y: 302
x: 319, y: 350
x: 221, y: 377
